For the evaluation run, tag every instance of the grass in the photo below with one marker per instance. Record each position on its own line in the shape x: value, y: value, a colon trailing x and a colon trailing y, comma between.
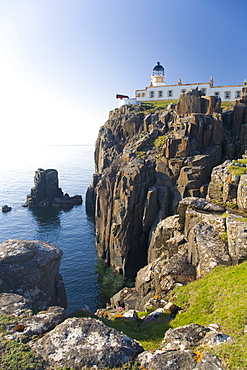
x: 150, y: 107
x: 16, y: 355
x: 221, y: 298
x: 149, y: 335
x: 239, y: 167
x: 227, y: 105
x: 160, y: 142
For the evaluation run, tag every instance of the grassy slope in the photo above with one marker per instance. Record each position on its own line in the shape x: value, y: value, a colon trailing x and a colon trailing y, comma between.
x: 220, y: 297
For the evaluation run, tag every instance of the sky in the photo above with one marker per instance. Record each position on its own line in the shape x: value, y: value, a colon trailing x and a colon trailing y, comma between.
x: 63, y: 61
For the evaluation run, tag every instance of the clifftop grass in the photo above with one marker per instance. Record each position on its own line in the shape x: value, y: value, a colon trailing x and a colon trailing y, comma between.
x: 221, y: 298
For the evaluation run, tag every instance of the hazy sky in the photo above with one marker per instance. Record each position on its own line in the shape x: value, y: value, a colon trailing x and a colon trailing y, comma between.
x: 63, y: 61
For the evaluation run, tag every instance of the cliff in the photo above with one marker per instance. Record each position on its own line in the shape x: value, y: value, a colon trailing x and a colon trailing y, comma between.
x: 147, y: 160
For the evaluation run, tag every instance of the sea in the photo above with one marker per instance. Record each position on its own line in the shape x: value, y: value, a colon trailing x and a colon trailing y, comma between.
x: 72, y: 231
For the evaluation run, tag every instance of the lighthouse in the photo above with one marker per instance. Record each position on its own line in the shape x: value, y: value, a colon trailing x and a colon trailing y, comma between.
x: 158, y: 75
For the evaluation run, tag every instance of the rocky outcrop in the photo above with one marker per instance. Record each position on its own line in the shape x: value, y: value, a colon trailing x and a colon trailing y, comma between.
x: 145, y: 164
x: 80, y: 342
x: 46, y: 192
x: 31, y: 268
x: 14, y: 304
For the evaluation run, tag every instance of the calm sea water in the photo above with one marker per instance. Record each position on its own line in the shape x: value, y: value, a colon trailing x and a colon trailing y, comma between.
x: 72, y: 231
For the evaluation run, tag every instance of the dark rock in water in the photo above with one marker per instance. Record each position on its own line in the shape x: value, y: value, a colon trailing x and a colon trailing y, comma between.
x: 79, y: 342
x: 46, y: 192
x: 31, y: 268
x: 6, y: 208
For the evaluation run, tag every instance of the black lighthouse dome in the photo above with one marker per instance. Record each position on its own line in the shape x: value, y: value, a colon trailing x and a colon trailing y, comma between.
x: 158, y: 68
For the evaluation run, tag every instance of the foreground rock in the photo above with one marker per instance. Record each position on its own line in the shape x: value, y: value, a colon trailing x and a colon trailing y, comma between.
x: 31, y: 268
x: 38, y: 324
x: 13, y: 304
x: 179, y: 360
x: 82, y: 342
x: 46, y: 192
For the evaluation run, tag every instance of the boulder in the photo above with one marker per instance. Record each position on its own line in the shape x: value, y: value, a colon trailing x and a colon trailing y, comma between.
x: 242, y: 194
x: 79, y: 342
x: 206, y: 249
x: 189, y: 336
x: 237, y: 237
x: 14, y: 304
x: 31, y: 268
x: 38, y: 324
x: 179, y: 360
x: 166, y: 238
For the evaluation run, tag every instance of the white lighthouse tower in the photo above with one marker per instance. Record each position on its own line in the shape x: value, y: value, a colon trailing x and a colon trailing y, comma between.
x: 158, y: 75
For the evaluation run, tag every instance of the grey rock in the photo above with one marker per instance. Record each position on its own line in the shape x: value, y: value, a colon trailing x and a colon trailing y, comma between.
x: 79, y: 342
x: 31, y: 269
x: 206, y: 249
x: 237, y: 237
x: 242, y: 194
x: 38, y: 324
x: 13, y: 304
x: 184, y: 337
x: 179, y: 360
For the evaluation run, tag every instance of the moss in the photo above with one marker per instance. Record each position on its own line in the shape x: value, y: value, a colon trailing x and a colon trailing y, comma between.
x: 140, y: 154
x: 244, y: 219
x: 224, y: 236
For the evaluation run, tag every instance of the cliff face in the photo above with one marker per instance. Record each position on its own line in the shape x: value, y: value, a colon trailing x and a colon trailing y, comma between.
x: 147, y: 161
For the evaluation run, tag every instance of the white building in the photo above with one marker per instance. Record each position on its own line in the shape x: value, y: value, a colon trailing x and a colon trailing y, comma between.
x: 158, y: 90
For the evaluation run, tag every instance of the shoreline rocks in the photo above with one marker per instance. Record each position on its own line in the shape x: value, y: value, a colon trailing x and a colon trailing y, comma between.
x: 31, y: 268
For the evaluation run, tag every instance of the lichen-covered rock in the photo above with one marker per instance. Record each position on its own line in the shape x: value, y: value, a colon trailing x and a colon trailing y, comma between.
x: 206, y: 249
x: 184, y: 337
x: 79, y: 342
x: 31, y: 269
x: 166, y: 237
x: 179, y: 360
x: 197, y: 204
x: 223, y: 185
x: 38, y: 324
x: 242, y: 194
x: 237, y: 237
x: 13, y: 304
x: 194, y: 216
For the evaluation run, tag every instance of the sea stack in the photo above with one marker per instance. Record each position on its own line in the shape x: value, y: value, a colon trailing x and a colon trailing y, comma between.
x: 46, y: 192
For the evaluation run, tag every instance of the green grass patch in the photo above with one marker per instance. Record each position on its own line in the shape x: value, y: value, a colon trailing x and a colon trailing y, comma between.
x: 221, y: 298
x: 150, y: 107
x: 149, y: 335
x: 224, y: 236
x: 160, y: 141
x: 244, y: 219
x: 16, y: 355
x: 228, y: 105
x: 239, y: 167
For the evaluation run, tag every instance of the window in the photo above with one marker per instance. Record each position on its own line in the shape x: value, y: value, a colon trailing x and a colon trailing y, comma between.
x: 227, y: 94
x: 204, y: 90
x: 238, y: 94
x: 169, y: 93
x: 160, y: 94
x: 217, y: 94
x: 143, y: 94
x: 183, y: 91
x: 151, y: 94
